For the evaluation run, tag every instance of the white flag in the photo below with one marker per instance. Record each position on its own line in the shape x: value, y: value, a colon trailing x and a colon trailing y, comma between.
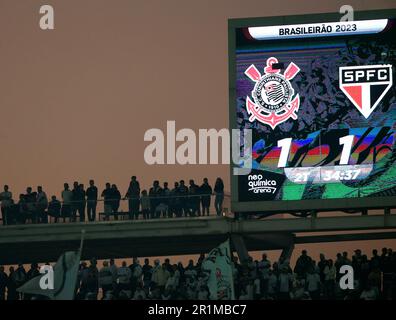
x: 218, y: 267
x: 65, y: 279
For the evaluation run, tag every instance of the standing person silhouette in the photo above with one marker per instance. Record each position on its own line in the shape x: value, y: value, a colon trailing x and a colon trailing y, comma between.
x: 107, y: 195
x: 83, y: 203
x: 115, y: 202
x: 133, y: 196
x: 219, y: 196
x: 67, y: 198
x: 206, y: 192
x: 92, y: 200
x: 6, y: 202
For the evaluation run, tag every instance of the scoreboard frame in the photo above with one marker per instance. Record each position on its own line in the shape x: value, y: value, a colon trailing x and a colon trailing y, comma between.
x: 279, y: 206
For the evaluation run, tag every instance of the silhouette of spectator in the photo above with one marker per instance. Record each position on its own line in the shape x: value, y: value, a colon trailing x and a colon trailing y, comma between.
x: 388, y: 270
x: 3, y: 283
x: 313, y: 283
x: 116, y: 197
x: 124, y: 276
x: 136, y: 271
x: 285, y: 280
x: 194, y: 199
x: 375, y: 260
x: 107, y: 194
x: 168, y: 265
x: 12, y: 294
x: 22, y: 209
x: 375, y: 277
x: 364, y: 270
x: 175, y: 206
x: 92, y: 200
x: 357, y: 263
x: 145, y: 204
x: 32, y: 273
x: 183, y: 192
x: 77, y: 201
x: 13, y: 216
x: 264, y: 267
x: 20, y: 277
x: 30, y: 200
x: 154, y: 194
x: 272, y: 285
x: 330, y: 275
x: 219, y: 196
x: 303, y: 264
x: 132, y: 195
x: 113, y: 268
x: 41, y: 205
x: 147, y: 272
x: 206, y: 192
x: 83, y: 203
x: 67, y: 198
x: 346, y: 259
x: 322, y: 264
x: 160, y: 277
x: 93, y: 278
x: 6, y: 202
x: 82, y: 279
x: 338, y: 264
x: 54, y: 208
x: 163, y: 197
x: 166, y: 193
x: 105, y: 278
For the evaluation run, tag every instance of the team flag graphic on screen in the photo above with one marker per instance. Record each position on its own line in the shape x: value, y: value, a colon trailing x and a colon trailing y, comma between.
x: 365, y: 86
x: 218, y: 267
x: 274, y: 101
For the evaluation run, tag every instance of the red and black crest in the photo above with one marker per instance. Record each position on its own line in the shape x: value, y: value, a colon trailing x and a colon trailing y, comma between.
x: 365, y: 86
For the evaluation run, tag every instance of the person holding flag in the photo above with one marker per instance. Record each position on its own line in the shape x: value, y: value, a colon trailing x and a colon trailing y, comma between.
x: 218, y: 269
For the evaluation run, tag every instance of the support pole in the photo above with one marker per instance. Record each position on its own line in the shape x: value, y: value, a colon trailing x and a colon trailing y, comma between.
x: 240, y: 247
x: 287, y: 252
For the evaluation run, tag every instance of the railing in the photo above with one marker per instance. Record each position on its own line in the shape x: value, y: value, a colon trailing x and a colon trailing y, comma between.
x: 158, y: 207
x: 118, y: 209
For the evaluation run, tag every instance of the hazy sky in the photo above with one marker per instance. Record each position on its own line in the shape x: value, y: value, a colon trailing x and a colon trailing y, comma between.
x: 76, y: 101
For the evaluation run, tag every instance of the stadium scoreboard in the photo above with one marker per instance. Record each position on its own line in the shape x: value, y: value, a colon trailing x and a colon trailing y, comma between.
x: 319, y: 98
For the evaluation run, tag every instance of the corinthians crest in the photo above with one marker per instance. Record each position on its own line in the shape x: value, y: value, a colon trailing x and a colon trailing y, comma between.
x: 273, y: 95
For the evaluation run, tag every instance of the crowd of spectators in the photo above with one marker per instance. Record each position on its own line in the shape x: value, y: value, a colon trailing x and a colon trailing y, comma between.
x: 374, y: 278
x: 78, y: 202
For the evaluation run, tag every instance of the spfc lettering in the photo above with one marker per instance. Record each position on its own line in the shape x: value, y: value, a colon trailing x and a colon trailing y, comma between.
x: 365, y: 86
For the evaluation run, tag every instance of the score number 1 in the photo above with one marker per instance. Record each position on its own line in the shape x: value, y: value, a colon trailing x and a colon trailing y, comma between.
x: 285, y: 145
x: 346, y: 142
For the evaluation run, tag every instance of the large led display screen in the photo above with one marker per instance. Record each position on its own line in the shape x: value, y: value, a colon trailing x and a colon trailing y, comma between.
x: 320, y: 100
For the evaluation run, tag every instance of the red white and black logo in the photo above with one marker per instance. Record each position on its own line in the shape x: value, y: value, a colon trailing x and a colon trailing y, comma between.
x: 365, y: 86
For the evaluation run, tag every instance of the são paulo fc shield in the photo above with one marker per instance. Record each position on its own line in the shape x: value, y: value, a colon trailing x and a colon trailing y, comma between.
x: 365, y: 86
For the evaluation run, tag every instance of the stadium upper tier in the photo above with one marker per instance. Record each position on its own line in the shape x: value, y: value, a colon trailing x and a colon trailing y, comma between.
x: 46, y: 242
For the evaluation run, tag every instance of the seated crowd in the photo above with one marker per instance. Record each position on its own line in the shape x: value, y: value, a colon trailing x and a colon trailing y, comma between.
x: 374, y: 278
x: 158, y: 201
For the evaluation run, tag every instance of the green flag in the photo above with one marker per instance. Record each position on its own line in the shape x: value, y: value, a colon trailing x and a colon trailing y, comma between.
x: 64, y: 279
x: 218, y: 267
